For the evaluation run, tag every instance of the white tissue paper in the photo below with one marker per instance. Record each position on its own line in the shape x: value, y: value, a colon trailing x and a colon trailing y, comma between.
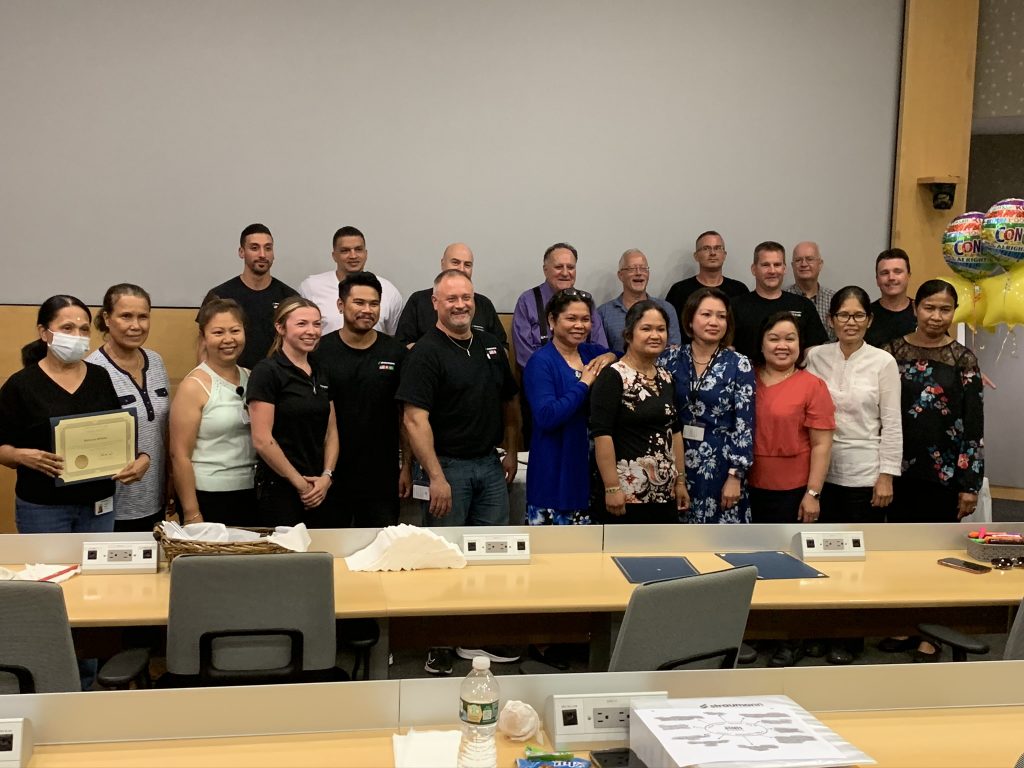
x: 296, y: 539
x: 406, y: 548
x: 426, y: 749
x: 41, y: 572
x: 518, y: 720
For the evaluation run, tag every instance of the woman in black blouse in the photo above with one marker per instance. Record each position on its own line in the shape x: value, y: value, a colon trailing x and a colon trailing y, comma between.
x: 293, y: 426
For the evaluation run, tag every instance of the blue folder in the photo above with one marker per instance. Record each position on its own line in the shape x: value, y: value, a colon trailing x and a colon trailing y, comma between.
x: 773, y: 565
x: 639, y: 570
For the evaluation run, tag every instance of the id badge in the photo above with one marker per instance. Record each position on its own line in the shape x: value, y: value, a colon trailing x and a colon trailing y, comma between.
x: 693, y: 432
x: 421, y: 492
x: 245, y: 416
x: 103, y: 506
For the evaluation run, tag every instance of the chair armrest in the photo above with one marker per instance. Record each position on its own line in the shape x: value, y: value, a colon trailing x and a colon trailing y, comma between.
x: 125, y: 667
x: 952, y: 638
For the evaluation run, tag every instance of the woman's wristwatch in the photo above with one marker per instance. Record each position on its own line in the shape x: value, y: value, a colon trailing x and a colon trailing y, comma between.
x: 813, y: 493
x: 736, y: 472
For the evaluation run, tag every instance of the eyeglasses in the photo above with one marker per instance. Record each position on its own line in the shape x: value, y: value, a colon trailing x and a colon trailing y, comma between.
x: 1006, y: 563
x: 802, y: 260
x: 575, y: 293
x: 636, y: 270
x: 711, y: 249
x: 845, y: 317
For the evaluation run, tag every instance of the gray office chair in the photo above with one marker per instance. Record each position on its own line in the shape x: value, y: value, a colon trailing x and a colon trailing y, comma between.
x: 694, y: 621
x: 961, y: 644
x: 37, y: 654
x: 251, y: 619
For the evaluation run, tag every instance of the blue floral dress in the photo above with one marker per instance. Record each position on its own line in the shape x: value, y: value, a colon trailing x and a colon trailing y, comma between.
x: 943, y: 419
x: 722, y: 401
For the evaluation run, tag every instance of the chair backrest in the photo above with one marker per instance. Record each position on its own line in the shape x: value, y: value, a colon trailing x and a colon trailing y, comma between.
x: 36, y: 651
x: 1015, y: 640
x: 251, y: 618
x: 694, y: 621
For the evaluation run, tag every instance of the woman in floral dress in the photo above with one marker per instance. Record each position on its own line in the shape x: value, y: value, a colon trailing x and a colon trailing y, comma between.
x: 715, y: 400
x: 637, y: 443
x: 943, y: 420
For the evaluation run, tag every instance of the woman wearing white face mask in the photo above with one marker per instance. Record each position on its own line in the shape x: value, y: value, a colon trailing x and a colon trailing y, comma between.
x: 55, y: 381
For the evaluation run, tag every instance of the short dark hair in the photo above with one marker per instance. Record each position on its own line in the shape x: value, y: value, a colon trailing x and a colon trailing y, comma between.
x: 708, y: 233
x: 769, y: 245
x: 693, y: 303
x: 635, y: 313
x: 566, y: 246
x: 770, y: 322
x: 110, y: 298
x: 850, y: 292
x: 253, y: 229
x: 346, y: 231
x: 216, y: 306
x: 35, y: 351
x: 932, y: 287
x: 367, y: 279
x: 563, y: 299
x: 892, y: 253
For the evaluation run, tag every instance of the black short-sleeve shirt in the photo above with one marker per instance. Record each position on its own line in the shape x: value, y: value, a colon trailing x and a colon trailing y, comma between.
x: 363, y: 383
x: 419, y: 316
x: 259, y: 309
x: 753, y: 309
x: 887, y: 325
x: 462, y: 385
x: 27, y: 402
x: 681, y: 291
x: 302, y: 409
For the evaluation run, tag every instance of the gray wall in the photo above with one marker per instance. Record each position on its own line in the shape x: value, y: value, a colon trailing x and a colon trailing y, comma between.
x: 139, y: 137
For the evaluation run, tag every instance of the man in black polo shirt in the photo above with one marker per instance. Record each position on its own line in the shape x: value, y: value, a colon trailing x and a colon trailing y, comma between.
x: 419, y: 316
x: 362, y: 367
x: 767, y: 298
x: 709, y: 253
x: 893, y: 314
x: 256, y: 292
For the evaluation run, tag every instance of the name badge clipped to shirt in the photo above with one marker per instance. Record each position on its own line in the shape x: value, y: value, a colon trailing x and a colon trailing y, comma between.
x: 245, y: 416
x: 693, y: 432
x: 103, y: 506
x: 421, y: 491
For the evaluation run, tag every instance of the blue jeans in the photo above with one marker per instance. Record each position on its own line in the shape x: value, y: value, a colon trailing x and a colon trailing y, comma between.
x: 60, y: 518
x: 479, y: 493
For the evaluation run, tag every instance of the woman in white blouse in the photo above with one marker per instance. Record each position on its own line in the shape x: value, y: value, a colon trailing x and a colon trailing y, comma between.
x: 867, y: 446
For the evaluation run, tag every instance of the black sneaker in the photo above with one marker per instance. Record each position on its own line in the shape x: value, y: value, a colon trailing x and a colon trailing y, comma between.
x: 502, y: 654
x: 439, y: 661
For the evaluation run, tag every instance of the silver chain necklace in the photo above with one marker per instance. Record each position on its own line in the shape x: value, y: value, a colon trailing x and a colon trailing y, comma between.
x: 463, y: 348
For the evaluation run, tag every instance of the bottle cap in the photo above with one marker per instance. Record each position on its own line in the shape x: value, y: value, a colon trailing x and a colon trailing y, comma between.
x: 481, y: 662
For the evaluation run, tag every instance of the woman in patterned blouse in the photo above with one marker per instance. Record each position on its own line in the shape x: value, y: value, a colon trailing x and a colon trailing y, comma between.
x: 637, y: 443
x: 943, y: 420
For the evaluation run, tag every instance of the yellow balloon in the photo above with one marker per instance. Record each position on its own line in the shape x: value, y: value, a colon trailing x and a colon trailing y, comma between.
x: 994, y: 290
x: 965, y: 299
x: 1013, y: 307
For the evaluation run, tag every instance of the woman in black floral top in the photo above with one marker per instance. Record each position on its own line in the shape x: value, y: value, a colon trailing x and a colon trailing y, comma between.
x: 637, y: 443
x: 943, y: 420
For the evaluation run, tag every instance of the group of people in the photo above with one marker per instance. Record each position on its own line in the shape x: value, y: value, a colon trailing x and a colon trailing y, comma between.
x: 714, y: 405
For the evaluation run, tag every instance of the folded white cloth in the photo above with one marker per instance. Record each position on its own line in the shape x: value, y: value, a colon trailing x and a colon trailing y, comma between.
x: 427, y: 749
x: 406, y: 548
x: 41, y: 572
x: 296, y: 539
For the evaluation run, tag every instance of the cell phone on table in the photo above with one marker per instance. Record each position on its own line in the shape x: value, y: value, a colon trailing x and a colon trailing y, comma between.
x: 964, y: 565
x: 616, y: 758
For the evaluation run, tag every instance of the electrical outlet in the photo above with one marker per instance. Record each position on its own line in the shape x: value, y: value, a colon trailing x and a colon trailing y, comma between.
x: 15, y: 742
x: 832, y: 545
x: 119, y: 557
x: 496, y: 548
x: 574, y: 721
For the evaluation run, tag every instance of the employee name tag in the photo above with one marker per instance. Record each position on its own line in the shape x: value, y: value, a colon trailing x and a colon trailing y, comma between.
x: 245, y: 415
x: 693, y: 432
x: 103, y: 506
x: 421, y: 492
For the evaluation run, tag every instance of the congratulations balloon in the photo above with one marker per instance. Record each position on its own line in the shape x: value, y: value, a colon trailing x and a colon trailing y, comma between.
x: 961, y: 247
x: 1002, y: 234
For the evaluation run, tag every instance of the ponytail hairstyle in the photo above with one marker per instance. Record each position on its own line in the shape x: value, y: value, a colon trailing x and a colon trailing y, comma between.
x: 284, y: 309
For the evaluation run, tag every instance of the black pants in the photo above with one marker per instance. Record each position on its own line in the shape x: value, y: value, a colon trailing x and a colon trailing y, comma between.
x: 140, y: 524
x: 644, y: 514
x: 775, y: 506
x: 277, y: 502
x: 232, y: 508
x: 844, y: 504
x: 920, y: 501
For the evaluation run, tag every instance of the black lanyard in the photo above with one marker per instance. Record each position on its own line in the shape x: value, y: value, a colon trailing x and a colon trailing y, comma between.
x: 697, y: 381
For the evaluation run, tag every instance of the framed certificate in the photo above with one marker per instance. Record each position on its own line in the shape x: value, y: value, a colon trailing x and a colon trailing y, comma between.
x: 94, y: 445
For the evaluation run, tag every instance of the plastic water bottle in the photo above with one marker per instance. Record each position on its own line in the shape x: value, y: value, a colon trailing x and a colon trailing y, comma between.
x: 478, y: 710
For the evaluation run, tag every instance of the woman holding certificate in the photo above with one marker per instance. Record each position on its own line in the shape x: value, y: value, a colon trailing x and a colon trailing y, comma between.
x: 293, y: 426
x: 141, y: 383
x: 56, y: 382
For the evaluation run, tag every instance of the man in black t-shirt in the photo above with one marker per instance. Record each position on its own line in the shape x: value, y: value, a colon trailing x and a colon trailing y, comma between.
x: 709, y: 253
x: 256, y: 291
x: 418, y: 315
x: 892, y: 315
x: 363, y: 368
x: 767, y: 298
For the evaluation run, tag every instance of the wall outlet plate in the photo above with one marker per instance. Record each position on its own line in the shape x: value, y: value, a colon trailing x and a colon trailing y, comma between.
x: 119, y: 557
x: 15, y: 742
x: 575, y: 720
x: 832, y: 545
x: 496, y: 548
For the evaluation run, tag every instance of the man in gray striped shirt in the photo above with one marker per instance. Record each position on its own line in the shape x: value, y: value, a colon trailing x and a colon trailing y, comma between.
x: 807, y: 264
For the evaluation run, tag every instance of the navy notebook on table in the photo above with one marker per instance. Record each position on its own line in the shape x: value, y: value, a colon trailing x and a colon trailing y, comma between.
x: 638, y: 570
x: 773, y: 565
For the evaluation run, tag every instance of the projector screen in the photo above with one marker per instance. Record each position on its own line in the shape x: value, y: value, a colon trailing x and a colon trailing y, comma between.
x: 140, y: 137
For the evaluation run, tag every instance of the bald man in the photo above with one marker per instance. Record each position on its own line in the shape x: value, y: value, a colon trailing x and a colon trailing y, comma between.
x: 807, y: 264
x: 419, y: 315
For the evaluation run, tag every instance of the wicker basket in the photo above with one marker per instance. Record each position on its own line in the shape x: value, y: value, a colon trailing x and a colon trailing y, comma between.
x: 985, y: 552
x: 174, y: 547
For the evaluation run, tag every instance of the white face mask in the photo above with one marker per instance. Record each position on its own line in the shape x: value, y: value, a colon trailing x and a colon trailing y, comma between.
x: 69, y: 348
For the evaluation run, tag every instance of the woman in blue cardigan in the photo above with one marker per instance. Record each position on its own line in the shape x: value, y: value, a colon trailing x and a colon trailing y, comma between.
x: 557, y: 383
